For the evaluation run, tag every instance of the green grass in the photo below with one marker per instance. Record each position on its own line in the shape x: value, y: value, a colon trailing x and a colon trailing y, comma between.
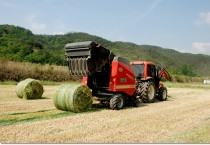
x: 20, y: 117
x: 8, y: 83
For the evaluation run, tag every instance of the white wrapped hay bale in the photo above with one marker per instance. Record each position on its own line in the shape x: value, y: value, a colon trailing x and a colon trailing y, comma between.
x: 73, y: 97
x: 29, y: 89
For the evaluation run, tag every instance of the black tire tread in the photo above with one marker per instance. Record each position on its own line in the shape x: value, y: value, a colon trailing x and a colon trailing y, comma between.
x: 160, y: 94
x: 144, y: 92
x: 114, y: 101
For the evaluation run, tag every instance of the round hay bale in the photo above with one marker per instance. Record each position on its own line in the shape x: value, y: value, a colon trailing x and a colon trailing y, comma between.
x: 29, y: 89
x: 72, y: 97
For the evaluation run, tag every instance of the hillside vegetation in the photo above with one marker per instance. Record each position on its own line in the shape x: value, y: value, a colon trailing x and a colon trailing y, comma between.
x: 20, y: 44
x: 17, y: 71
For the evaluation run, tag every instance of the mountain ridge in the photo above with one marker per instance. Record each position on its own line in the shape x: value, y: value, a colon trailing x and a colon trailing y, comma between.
x: 20, y: 44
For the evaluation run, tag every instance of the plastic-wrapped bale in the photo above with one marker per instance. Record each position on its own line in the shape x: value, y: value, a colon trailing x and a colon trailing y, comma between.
x: 29, y: 89
x: 73, y: 97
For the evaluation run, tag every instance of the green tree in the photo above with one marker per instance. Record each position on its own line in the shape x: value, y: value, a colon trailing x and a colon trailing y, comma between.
x: 187, y: 70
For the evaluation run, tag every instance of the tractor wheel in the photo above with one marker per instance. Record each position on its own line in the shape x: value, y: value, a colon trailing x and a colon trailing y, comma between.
x: 117, y: 102
x: 162, y: 95
x: 148, y: 92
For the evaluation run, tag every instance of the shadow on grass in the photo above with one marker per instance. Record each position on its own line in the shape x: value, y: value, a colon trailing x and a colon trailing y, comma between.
x: 169, y: 98
x: 44, y: 98
x: 99, y: 107
x: 14, y: 118
x: 22, y: 117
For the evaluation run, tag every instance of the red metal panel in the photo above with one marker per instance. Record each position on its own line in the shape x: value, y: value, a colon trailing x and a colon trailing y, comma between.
x: 145, y: 71
x: 142, y: 62
x: 84, y: 81
x: 161, y: 84
x: 122, y: 78
x: 145, y: 63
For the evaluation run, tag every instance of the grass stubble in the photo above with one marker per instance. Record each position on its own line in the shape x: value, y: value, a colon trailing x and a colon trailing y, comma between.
x: 184, y: 118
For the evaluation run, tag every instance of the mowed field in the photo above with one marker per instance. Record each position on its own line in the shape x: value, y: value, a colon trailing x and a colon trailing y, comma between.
x: 183, y: 118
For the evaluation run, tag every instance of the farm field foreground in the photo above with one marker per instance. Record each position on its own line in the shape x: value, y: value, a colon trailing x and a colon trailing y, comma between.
x: 183, y: 118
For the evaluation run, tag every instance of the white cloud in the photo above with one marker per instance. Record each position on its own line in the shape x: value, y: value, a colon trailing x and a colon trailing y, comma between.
x: 197, y: 22
x: 204, y: 18
x: 38, y: 27
x: 58, y: 33
x: 57, y: 27
x: 35, y: 26
x: 201, y: 47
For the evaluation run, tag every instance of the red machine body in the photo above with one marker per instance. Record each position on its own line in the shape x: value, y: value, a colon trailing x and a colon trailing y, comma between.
x: 147, y: 70
x: 122, y: 77
x: 146, y: 65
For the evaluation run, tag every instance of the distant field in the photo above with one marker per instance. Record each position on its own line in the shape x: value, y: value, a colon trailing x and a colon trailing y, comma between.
x: 184, y: 118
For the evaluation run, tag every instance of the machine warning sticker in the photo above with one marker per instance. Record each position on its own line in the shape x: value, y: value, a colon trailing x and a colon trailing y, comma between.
x: 123, y: 80
x: 120, y: 69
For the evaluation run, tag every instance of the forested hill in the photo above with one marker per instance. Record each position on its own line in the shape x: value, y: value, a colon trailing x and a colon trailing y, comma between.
x: 20, y: 44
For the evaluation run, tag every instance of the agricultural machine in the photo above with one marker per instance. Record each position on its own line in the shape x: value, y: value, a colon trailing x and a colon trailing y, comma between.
x: 115, y: 80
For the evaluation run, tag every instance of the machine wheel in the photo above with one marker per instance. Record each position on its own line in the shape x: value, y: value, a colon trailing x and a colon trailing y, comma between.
x: 117, y: 102
x: 148, y: 92
x: 162, y: 95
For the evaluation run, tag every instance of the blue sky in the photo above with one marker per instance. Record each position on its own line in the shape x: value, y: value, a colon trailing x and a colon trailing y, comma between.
x: 183, y: 25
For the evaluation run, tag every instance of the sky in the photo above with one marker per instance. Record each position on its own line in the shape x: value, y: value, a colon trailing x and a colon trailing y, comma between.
x: 183, y: 25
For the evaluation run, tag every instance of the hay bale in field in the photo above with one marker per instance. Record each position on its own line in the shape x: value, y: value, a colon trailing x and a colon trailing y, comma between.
x: 72, y: 97
x: 29, y: 89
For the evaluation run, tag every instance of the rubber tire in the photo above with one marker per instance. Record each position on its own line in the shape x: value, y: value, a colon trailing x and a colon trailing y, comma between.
x: 163, y: 94
x: 144, y: 92
x: 117, y: 102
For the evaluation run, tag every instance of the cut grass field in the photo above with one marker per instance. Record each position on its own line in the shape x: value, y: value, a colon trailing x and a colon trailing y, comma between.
x: 187, y: 85
x: 15, y: 118
x: 184, y: 118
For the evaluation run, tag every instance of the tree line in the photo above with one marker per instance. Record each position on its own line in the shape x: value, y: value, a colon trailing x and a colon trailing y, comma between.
x: 20, y: 44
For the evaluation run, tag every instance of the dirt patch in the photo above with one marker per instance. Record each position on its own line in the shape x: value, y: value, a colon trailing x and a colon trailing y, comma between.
x: 185, y: 111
